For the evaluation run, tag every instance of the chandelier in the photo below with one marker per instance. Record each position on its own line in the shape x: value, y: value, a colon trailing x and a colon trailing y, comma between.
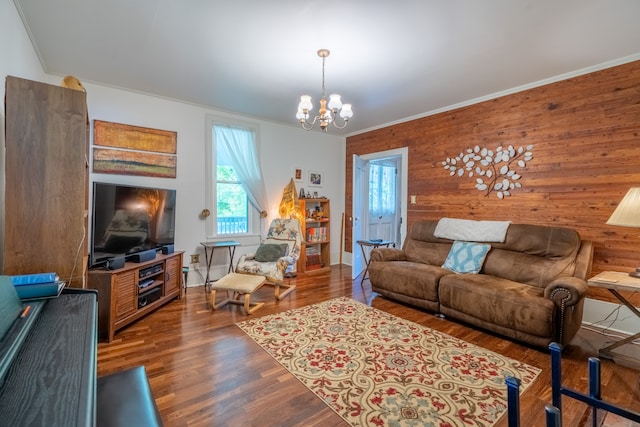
x: 328, y: 112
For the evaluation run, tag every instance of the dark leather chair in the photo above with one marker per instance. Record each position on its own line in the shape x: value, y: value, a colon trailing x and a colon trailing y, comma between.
x: 124, y: 399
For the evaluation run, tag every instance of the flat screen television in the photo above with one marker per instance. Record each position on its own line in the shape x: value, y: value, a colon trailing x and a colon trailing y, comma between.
x: 126, y: 220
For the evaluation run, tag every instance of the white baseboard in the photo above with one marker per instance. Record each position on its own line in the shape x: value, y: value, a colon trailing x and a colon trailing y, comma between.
x: 198, y: 273
x: 611, y: 316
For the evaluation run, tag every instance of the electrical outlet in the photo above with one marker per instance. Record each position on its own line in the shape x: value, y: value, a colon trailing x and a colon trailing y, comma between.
x: 195, y: 259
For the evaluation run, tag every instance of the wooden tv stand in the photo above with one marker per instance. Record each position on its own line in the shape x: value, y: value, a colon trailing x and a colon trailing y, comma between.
x: 129, y: 293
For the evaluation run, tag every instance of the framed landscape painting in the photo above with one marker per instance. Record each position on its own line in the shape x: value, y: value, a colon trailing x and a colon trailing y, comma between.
x: 134, y: 150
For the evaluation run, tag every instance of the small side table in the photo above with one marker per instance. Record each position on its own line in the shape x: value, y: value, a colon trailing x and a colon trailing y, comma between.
x: 375, y: 243
x: 209, y: 248
x: 616, y: 281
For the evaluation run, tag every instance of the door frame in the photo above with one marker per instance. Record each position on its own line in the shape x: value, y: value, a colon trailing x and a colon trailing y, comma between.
x: 403, y: 154
x: 396, y: 160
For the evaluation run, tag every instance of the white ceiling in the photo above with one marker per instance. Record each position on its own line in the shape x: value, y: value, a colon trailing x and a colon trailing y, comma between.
x: 391, y: 59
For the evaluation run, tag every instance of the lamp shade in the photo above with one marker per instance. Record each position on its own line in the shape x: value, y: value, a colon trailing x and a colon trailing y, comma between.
x: 627, y: 214
x: 346, y: 111
x: 305, y: 103
x: 334, y: 102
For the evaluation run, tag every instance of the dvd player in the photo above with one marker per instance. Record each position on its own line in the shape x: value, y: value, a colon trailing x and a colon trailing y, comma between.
x: 144, y: 283
x: 150, y: 270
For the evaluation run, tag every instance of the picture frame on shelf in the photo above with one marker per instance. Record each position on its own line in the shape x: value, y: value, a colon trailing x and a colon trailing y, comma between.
x: 315, y: 179
x: 297, y: 174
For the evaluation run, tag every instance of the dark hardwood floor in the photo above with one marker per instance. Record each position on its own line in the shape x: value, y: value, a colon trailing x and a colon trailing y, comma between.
x: 204, y: 371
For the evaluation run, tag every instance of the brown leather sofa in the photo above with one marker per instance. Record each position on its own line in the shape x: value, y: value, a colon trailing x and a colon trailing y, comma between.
x: 531, y: 286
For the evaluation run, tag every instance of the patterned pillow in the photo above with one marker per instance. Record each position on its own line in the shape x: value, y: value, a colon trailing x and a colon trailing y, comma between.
x: 466, y: 257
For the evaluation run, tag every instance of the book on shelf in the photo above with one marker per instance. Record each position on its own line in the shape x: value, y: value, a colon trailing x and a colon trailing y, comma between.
x: 313, y: 259
x: 30, y: 279
x: 39, y: 290
x: 317, y: 234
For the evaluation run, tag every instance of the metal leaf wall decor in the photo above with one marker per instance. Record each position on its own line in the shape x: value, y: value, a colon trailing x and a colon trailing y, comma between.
x: 494, y: 170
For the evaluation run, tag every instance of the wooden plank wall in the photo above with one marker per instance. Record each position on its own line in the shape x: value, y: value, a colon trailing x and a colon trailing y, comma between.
x: 585, y: 133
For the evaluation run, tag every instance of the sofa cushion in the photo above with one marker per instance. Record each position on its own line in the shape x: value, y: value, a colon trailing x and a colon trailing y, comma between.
x: 498, y: 301
x: 422, y: 247
x: 533, y: 254
x: 407, y: 278
x: 466, y: 257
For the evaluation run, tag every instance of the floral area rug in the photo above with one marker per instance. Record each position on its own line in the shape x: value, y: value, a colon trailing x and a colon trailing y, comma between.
x: 375, y: 369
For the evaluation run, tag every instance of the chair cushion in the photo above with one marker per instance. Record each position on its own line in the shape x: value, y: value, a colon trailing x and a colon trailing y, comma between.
x: 270, y: 252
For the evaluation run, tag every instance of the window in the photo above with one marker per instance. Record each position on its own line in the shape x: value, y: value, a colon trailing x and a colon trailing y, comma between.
x: 235, y: 191
x: 382, y: 188
x: 232, y: 206
x: 232, y: 212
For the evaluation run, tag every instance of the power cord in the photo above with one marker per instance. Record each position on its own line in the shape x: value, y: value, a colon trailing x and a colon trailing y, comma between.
x: 75, y: 259
x: 605, y: 331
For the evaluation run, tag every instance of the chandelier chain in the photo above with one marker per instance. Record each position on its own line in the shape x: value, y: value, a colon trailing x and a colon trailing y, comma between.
x: 323, y: 91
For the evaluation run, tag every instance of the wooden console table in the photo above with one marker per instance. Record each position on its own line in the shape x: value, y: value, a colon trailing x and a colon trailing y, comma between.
x: 616, y: 281
x: 133, y: 291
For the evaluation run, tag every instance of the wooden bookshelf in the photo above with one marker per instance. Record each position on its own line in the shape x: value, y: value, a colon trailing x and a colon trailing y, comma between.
x: 315, y: 255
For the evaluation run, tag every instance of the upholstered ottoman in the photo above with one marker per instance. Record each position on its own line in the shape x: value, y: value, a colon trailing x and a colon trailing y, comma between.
x: 237, y: 285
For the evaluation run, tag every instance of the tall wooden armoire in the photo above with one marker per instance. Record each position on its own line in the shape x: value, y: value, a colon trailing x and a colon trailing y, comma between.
x: 46, y: 180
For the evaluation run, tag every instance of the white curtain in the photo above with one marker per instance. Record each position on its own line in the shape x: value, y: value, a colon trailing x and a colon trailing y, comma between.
x: 382, y: 189
x: 238, y: 145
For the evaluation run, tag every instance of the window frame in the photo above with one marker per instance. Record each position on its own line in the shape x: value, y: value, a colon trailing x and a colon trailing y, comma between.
x: 211, y: 197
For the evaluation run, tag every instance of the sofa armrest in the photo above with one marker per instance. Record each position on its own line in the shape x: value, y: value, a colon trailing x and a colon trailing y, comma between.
x: 284, y: 262
x: 387, y: 254
x: 566, y: 290
x: 246, y: 257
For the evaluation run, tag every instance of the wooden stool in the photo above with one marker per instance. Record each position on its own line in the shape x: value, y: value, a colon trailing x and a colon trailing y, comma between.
x: 239, y: 284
